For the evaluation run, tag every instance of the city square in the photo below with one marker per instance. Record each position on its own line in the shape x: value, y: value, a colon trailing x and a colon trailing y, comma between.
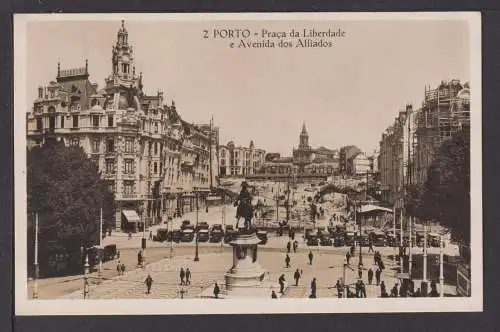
x: 134, y: 195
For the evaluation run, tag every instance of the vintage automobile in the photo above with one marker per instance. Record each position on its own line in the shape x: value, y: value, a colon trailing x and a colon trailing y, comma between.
x: 313, y: 241
x: 364, y: 239
x: 262, y: 236
x: 229, y: 234
x: 338, y: 241
x: 161, y: 235
x: 185, y: 224
x: 349, y: 239
x: 109, y: 252
x: 203, y: 235
x: 187, y: 235
x: 378, y: 239
x: 308, y: 233
x: 202, y: 225
x: 216, y: 233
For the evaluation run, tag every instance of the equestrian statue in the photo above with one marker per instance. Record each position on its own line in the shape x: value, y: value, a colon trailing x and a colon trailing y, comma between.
x: 244, y: 209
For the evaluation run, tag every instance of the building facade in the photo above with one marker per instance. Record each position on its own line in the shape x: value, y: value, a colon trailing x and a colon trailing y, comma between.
x: 305, y: 163
x: 408, y: 147
x: 156, y: 164
x: 239, y: 161
x: 359, y: 164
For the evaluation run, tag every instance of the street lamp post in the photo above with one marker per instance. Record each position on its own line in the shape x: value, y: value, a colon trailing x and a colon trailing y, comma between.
x: 143, y: 241
x: 196, y: 257
x: 35, y: 284
x: 86, y: 277
x: 441, y: 272
x: 360, y: 253
x: 99, y: 274
x: 171, y: 221
x: 410, y: 259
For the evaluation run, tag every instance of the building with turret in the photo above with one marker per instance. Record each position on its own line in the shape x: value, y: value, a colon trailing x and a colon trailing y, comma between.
x: 156, y: 163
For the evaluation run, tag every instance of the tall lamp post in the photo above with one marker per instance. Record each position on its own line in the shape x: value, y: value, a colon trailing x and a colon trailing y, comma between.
x: 196, y: 257
x: 35, y: 284
x: 360, y: 242
x: 99, y: 274
x: 143, y: 240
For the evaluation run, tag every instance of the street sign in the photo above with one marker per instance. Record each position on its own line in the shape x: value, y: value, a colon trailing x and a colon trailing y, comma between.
x: 403, y: 276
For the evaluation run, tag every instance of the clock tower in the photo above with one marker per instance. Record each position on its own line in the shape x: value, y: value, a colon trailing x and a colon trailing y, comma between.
x: 123, y: 57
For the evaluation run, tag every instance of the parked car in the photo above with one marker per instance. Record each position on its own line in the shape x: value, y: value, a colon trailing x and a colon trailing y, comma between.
x: 216, y: 233
x: 185, y: 224
x: 378, y: 239
x: 308, y: 233
x: 313, y: 240
x: 176, y: 235
x: 229, y: 234
x: 365, y: 240
x: 325, y: 241
x: 338, y: 241
x: 161, y: 235
x: 109, y: 252
x: 262, y: 235
x: 349, y: 238
x: 187, y: 235
x: 203, y: 235
x: 202, y: 225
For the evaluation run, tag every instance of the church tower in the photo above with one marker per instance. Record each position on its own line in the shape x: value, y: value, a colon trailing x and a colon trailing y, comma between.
x: 123, y: 57
x: 304, y: 138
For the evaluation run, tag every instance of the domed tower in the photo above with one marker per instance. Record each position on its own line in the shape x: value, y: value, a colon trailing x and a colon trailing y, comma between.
x: 123, y: 56
x: 304, y: 138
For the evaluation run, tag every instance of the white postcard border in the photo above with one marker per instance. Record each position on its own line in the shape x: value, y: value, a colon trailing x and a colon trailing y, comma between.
x: 24, y: 306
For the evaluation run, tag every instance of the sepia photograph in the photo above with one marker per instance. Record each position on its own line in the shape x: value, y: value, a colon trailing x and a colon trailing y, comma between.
x: 247, y: 163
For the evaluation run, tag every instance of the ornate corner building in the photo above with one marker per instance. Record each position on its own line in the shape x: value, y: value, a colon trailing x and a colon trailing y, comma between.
x: 156, y: 164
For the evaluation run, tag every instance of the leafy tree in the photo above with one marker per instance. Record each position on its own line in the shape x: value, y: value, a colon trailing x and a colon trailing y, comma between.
x: 66, y: 191
x: 446, y: 192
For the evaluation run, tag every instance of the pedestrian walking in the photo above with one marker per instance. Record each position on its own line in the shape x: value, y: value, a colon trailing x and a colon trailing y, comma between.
x: 295, y: 245
x: 182, y: 274
x: 383, y: 291
x: 378, y: 272
x: 281, y: 281
x: 288, y: 246
x: 273, y: 295
x: 370, y: 276
x: 150, y: 235
x: 287, y: 260
x: 311, y: 256
x: 149, y: 283
x: 296, y: 276
x: 139, y: 257
x: 370, y: 248
x: 338, y: 285
x: 293, y: 235
x: 188, y: 277
x: 394, y: 291
x: 348, y: 257
x: 313, y: 289
x: 362, y: 288
x: 123, y: 269
x: 216, y: 291
x: 360, y: 271
x: 119, y: 268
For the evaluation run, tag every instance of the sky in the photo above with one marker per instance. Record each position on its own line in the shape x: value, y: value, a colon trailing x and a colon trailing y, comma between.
x: 346, y: 95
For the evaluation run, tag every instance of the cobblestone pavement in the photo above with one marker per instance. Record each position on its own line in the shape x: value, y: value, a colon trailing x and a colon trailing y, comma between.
x: 327, y: 267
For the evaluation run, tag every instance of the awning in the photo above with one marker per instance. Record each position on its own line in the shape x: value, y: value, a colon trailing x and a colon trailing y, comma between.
x: 131, y: 216
x: 213, y: 198
x: 373, y: 208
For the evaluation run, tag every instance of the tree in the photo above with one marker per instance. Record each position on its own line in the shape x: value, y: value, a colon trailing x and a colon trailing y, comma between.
x: 446, y: 192
x: 66, y: 191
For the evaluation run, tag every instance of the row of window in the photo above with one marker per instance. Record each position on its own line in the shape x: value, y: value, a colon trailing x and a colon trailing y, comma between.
x: 129, y: 166
x: 75, y: 122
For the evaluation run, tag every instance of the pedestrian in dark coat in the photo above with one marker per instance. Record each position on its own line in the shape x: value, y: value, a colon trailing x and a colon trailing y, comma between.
x: 311, y: 256
x: 383, y: 291
x: 281, y: 281
x: 370, y: 276
x: 348, y: 257
x: 362, y: 289
x: 378, y: 272
x: 313, y: 289
x: 273, y: 295
x: 149, y: 283
x: 287, y: 260
x: 394, y: 291
x: 182, y: 274
x: 119, y: 268
x: 296, y: 276
x: 216, y: 291
x: 139, y: 257
x: 188, y: 277
x: 295, y: 245
x: 123, y: 269
x: 339, y: 289
x: 360, y: 271
x: 288, y: 246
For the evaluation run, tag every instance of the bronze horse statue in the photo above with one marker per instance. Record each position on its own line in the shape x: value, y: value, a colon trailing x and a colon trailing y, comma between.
x: 244, y: 207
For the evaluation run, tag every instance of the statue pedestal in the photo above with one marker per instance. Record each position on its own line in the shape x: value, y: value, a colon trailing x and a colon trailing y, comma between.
x: 246, y: 276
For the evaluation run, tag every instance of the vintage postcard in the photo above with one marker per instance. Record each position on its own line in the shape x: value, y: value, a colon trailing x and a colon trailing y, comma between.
x: 247, y: 163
